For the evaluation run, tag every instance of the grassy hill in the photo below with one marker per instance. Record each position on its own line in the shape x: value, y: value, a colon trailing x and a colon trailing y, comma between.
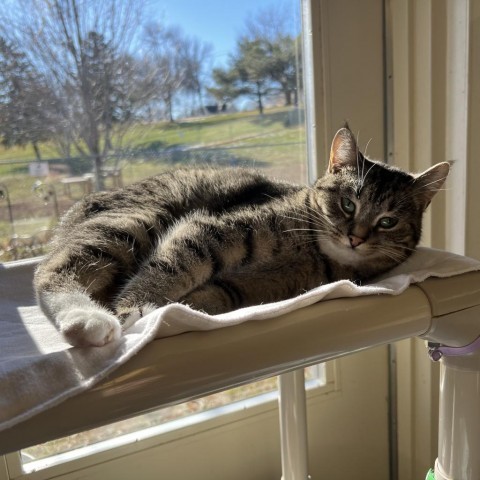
x: 210, y: 131
x: 274, y: 142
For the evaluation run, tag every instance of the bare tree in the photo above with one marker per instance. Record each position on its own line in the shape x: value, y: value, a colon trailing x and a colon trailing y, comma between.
x: 178, y: 63
x: 81, y: 47
x: 196, y: 56
x: 165, y: 47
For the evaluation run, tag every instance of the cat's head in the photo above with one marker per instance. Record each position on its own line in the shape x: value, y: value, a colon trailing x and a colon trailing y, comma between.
x: 373, y: 211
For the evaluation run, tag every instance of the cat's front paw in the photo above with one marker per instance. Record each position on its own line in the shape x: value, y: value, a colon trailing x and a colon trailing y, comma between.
x: 86, y: 327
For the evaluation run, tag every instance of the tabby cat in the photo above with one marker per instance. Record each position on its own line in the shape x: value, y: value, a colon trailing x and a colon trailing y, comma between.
x: 221, y: 239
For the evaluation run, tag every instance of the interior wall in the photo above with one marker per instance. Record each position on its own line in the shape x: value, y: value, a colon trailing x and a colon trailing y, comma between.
x: 436, y: 87
x: 472, y: 243
x: 353, y: 74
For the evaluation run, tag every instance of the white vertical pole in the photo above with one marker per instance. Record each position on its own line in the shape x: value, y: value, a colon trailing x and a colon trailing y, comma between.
x: 293, y: 425
x: 309, y: 89
x: 457, y: 60
x: 459, y: 424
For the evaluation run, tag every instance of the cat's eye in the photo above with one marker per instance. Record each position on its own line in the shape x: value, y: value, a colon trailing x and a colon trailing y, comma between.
x: 387, y: 222
x: 348, y: 206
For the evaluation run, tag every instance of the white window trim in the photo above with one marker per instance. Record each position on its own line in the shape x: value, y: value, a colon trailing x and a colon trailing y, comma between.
x: 456, y: 118
x: 316, y: 139
x: 167, y: 434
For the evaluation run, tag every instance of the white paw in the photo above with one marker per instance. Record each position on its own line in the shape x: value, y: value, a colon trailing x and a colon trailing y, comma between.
x: 89, y: 327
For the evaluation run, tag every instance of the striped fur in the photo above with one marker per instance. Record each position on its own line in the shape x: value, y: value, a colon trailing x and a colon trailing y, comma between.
x: 224, y: 239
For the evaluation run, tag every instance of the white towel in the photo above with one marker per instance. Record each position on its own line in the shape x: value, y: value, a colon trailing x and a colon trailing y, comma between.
x: 38, y: 369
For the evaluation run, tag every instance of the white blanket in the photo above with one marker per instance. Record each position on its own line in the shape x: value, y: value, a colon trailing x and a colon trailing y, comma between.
x: 39, y: 370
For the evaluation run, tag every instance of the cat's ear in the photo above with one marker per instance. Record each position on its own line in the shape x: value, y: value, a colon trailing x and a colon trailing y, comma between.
x: 344, y: 151
x: 428, y: 183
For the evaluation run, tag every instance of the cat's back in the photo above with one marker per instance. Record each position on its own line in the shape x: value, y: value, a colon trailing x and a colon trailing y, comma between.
x: 213, y: 189
x: 182, y: 190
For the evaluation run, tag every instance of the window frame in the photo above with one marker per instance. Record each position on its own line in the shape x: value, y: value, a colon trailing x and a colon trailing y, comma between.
x: 326, y: 123
x: 140, y: 442
x: 315, y: 140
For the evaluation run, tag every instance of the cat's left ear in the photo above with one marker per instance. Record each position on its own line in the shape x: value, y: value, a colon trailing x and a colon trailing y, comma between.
x: 428, y: 183
x: 344, y: 151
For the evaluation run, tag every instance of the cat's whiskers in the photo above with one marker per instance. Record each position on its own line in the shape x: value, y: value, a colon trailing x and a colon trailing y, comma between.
x: 319, y: 215
x: 402, y: 250
x: 87, y: 288
x: 398, y: 246
x: 317, y: 211
x: 368, y: 171
x: 406, y: 198
x: 361, y: 175
x: 302, y: 216
x: 309, y: 239
x: 389, y: 254
x: 427, y: 186
x: 88, y: 265
x: 132, y: 248
x: 303, y: 230
x: 392, y: 253
x: 366, y: 148
x: 309, y: 233
x: 104, y: 266
x: 357, y: 154
x: 308, y: 218
x: 300, y: 219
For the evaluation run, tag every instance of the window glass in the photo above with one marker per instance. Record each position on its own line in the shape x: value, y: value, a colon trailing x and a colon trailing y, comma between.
x: 99, y: 94
x: 96, y: 95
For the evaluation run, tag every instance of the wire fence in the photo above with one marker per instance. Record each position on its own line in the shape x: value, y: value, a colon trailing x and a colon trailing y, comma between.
x: 33, y: 195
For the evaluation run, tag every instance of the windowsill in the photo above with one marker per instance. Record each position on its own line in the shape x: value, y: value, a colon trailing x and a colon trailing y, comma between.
x: 188, y: 426
x: 192, y: 365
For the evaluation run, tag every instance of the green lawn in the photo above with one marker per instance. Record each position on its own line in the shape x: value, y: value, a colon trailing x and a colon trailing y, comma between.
x: 274, y: 141
x: 213, y: 130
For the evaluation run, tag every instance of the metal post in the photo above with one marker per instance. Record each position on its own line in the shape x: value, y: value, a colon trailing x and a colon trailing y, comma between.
x: 4, y: 194
x: 293, y: 425
x: 47, y: 192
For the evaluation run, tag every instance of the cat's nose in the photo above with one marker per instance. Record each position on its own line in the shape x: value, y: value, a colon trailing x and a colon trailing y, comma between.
x: 355, y: 241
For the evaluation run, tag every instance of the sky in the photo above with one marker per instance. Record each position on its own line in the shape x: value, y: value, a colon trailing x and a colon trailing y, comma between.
x: 218, y: 22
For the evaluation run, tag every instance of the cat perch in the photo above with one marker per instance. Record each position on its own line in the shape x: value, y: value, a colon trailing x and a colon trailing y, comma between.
x: 444, y: 311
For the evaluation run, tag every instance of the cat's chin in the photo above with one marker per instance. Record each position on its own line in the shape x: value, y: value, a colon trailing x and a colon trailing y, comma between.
x: 345, y: 254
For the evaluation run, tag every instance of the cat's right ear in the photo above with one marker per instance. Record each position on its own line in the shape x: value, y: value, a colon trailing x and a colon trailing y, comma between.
x: 344, y: 151
x: 428, y: 183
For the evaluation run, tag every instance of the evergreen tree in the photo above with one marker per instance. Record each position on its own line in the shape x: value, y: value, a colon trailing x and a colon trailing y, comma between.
x: 25, y: 101
x: 226, y: 88
x: 253, y: 67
